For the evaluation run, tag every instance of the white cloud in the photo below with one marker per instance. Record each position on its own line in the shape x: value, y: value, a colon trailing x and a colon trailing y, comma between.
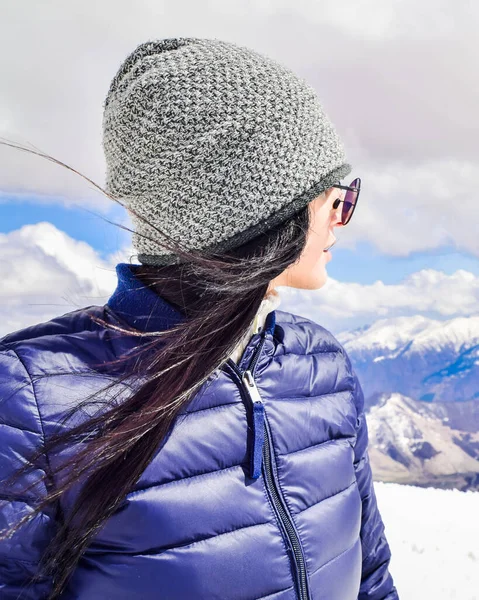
x: 405, y: 209
x: 46, y: 273
x: 398, y: 79
x: 340, y: 306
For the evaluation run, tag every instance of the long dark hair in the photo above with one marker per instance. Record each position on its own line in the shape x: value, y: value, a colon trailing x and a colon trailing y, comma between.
x: 219, y: 296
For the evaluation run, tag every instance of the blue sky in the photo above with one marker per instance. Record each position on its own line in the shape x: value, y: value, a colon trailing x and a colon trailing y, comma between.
x: 73, y: 220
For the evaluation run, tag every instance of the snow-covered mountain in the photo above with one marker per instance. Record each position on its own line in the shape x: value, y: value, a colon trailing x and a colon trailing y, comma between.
x: 424, y: 359
x: 409, y: 443
x: 421, y: 384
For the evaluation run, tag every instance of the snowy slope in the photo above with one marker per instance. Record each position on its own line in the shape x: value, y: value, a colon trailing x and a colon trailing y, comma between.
x: 385, y: 336
x: 434, y: 540
x: 424, y: 359
x: 418, y: 333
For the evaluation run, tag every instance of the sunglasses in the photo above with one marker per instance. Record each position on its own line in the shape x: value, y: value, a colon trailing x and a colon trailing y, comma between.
x: 350, y: 199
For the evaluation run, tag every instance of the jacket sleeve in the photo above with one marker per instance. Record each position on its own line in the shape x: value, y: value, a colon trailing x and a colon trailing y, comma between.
x: 20, y: 433
x: 376, y: 580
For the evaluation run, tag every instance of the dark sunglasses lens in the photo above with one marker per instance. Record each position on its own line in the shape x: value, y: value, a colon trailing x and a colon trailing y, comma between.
x: 350, y: 201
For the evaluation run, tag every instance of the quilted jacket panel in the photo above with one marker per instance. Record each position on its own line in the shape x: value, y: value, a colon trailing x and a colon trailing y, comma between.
x: 197, y: 524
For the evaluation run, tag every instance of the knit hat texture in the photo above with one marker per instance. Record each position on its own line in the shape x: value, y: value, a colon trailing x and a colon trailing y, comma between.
x: 213, y: 143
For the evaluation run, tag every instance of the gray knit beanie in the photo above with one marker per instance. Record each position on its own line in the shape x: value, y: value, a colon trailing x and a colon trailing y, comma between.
x: 214, y: 144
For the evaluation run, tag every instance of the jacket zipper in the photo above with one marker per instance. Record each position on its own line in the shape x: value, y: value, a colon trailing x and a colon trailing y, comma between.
x: 261, y: 459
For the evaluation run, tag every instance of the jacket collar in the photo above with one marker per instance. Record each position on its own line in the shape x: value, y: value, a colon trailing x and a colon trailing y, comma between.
x: 139, y: 306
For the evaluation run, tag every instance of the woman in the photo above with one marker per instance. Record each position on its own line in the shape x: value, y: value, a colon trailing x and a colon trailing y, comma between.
x: 187, y: 440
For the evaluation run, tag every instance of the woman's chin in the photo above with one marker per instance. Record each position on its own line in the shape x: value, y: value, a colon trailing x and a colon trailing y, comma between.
x: 321, y: 276
x: 319, y: 283
x: 312, y: 277
x: 316, y: 280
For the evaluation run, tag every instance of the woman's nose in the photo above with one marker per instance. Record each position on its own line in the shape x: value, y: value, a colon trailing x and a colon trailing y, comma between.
x: 337, y: 219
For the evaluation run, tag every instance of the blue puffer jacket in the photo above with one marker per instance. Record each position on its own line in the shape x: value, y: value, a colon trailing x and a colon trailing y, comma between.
x: 263, y: 488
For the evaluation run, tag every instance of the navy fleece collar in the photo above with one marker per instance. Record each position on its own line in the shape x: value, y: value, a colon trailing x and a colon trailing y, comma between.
x: 139, y: 305
x: 144, y: 309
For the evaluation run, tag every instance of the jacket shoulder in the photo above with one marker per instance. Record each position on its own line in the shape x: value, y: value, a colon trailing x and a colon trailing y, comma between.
x: 65, y: 345
x: 48, y: 368
x: 69, y: 340
x: 311, y: 358
x: 300, y: 335
x: 69, y: 323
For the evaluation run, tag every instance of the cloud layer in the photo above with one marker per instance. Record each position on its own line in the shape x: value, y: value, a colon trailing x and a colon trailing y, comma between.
x: 342, y: 306
x: 46, y: 273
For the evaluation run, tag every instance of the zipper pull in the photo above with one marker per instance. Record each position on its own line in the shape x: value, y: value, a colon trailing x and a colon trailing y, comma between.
x: 256, y: 455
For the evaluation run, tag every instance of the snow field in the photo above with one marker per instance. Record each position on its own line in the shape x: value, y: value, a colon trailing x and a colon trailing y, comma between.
x: 434, y: 539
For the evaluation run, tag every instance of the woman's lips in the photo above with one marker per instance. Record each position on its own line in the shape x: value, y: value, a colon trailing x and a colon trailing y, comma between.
x: 327, y: 249
x: 330, y: 244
